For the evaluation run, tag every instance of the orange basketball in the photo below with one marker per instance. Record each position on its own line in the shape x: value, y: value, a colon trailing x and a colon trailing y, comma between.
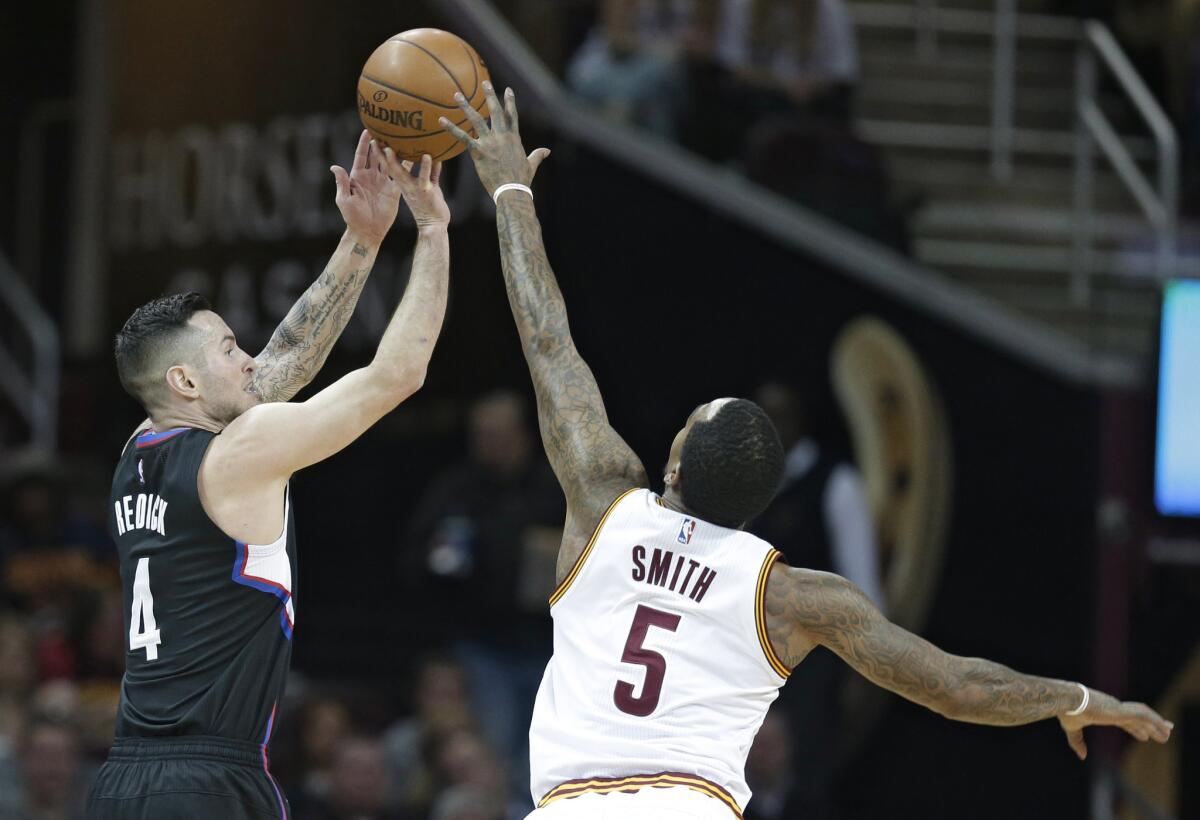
x: 410, y: 81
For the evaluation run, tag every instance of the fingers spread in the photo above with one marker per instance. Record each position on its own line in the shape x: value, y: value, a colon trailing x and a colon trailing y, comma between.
x: 510, y: 108
x: 535, y: 158
x: 499, y: 118
x: 435, y: 176
x: 476, y: 119
x: 362, y: 150
x: 341, y: 180
x: 396, y: 167
x: 459, y: 134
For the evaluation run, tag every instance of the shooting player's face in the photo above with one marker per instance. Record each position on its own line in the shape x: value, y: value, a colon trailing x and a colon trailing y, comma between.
x: 226, y: 379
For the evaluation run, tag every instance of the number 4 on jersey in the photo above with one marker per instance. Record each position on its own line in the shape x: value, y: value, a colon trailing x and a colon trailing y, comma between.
x: 143, y: 613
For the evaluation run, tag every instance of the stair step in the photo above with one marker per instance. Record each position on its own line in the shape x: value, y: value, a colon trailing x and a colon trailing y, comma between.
x: 898, y: 59
x: 1115, y: 306
x: 946, y: 218
x: 958, y: 27
x: 978, y: 138
x: 1023, y: 7
x: 965, y: 102
x: 1134, y: 264
x: 931, y: 176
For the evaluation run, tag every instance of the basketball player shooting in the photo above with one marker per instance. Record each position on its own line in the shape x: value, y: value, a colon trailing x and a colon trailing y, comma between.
x: 673, y: 628
x: 201, y: 512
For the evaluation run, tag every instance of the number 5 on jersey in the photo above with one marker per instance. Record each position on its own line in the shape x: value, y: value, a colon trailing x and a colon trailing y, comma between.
x: 143, y: 613
x: 656, y: 665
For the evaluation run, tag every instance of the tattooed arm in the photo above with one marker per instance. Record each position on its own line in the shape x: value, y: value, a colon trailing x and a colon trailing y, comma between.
x: 301, y: 343
x: 593, y: 463
x: 807, y: 609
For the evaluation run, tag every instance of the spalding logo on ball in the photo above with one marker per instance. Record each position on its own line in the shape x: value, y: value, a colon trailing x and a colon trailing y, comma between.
x: 410, y: 81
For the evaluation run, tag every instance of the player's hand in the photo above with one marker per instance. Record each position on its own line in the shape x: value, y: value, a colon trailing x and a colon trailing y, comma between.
x: 1137, y: 719
x: 496, y: 151
x: 368, y: 196
x: 421, y: 184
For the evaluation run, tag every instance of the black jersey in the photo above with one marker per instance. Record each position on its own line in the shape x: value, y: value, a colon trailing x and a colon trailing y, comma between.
x: 209, y: 619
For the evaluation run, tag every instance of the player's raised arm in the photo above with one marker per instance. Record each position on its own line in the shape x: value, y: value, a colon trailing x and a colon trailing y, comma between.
x: 807, y: 608
x: 592, y: 462
x: 274, y: 440
x: 298, y: 348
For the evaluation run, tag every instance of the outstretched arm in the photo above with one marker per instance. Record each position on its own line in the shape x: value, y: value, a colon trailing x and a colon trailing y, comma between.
x: 274, y: 440
x: 299, y: 346
x: 592, y: 462
x: 806, y: 609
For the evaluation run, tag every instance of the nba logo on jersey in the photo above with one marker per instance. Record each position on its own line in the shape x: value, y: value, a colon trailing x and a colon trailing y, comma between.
x: 685, y: 531
x: 141, y: 473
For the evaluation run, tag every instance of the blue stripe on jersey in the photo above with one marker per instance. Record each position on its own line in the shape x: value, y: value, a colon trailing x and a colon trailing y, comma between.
x: 150, y: 438
x: 262, y: 585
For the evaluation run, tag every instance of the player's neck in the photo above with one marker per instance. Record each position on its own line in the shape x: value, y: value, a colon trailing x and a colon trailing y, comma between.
x: 672, y: 499
x: 174, y: 419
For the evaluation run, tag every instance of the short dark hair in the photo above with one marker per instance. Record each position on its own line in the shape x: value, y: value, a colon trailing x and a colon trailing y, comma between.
x: 149, y: 332
x: 731, y: 464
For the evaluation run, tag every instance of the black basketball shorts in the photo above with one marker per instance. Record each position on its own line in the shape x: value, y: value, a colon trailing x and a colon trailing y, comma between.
x: 186, y: 779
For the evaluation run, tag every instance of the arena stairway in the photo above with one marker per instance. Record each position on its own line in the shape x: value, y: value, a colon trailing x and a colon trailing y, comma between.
x: 929, y: 112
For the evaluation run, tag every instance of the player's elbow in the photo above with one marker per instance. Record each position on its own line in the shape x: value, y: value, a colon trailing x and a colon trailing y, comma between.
x: 399, y: 382
x: 409, y: 381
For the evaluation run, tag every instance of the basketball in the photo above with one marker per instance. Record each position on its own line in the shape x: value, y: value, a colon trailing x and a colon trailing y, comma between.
x: 410, y: 81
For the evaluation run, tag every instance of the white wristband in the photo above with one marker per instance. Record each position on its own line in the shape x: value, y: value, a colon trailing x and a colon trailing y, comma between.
x: 1087, y: 696
x: 510, y: 186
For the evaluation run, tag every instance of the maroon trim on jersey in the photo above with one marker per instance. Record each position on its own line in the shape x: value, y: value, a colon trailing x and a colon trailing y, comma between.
x: 578, y: 565
x: 636, y: 782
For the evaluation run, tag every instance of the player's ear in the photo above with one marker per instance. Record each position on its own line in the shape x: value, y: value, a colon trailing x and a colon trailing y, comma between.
x: 180, y: 382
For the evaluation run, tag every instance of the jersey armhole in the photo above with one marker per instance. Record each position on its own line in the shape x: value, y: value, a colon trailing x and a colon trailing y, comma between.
x: 760, y: 616
x: 575, y: 569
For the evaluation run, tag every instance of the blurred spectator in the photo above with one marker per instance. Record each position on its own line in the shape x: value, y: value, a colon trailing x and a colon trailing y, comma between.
x: 483, y: 544
x: 628, y: 66
x: 47, y: 551
x: 819, y: 520
x: 99, y: 633
x: 769, y: 771
x: 18, y: 676
x: 465, y: 803
x: 824, y: 166
x: 464, y: 759
x: 51, y: 780
x: 803, y: 53
x: 303, y: 757
x: 357, y: 785
x: 441, y: 707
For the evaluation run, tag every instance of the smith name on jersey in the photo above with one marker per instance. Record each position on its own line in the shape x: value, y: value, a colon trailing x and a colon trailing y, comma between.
x: 662, y: 670
x: 209, y: 618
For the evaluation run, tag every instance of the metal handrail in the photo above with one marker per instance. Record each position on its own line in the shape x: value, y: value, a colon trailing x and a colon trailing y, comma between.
x: 854, y: 255
x: 1160, y: 206
x: 1158, y: 202
x: 1003, y: 24
x: 34, y: 394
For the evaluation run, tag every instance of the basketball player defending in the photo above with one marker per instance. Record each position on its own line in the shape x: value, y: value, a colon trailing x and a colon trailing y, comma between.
x: 673, y: 628
x: 201, y: 512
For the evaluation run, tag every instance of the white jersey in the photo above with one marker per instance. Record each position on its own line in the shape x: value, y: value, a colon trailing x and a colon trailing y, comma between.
x: 662, y: 670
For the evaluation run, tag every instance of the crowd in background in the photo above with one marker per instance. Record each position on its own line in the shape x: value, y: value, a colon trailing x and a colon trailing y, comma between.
x: 766, y: 87
x: 451, y: 741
